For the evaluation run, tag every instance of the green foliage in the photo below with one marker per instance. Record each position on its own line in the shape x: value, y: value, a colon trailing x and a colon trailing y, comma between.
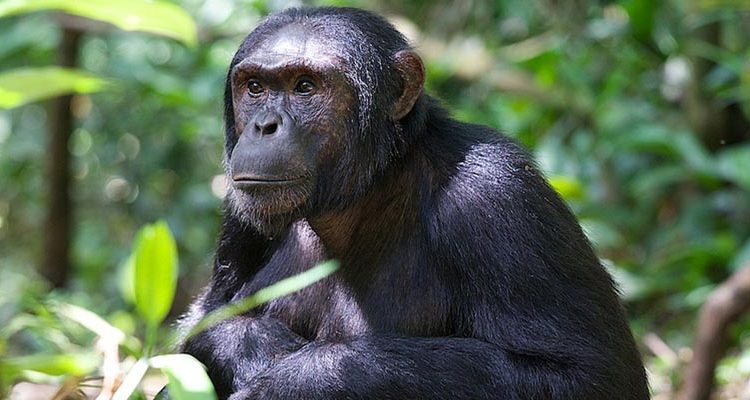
x: 49, y: 364
x: 567, y: 187
x: 609, y: 96
x: 733, y: 165
x: 26, y: 85
x: 187, y: 377
x: 641, y: 13
x: 153, y: 276
x: 157, y: 17
x: 153, y: 279
x: 154, y: 272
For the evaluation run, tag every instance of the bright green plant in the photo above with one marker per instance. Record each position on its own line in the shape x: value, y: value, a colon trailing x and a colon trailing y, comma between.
x: 25, y: 85
x: 155, y: 276
x: 154, y: 280
x: 151, y: 280
x: 157, y: 17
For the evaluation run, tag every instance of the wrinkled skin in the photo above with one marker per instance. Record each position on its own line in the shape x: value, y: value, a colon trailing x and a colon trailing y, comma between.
x: 463, y: 275
x: 288, y: 98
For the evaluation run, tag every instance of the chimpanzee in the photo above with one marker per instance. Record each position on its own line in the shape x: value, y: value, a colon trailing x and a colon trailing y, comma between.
x: 463, y: 274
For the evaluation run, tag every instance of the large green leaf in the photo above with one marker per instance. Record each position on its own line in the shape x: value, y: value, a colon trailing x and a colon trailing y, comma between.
x: 25, y: 85
x: 155, y: 272
x: 187, y: 377
x: 77, y: 364
x: 157, y: 17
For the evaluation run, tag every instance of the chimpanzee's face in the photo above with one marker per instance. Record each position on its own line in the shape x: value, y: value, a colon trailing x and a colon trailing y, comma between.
x: 292, y: 104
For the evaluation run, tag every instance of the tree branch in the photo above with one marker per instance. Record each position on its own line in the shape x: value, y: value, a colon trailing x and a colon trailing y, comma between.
x: 724, y: 306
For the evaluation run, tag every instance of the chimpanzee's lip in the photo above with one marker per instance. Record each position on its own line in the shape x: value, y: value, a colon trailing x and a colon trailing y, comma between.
x: 245, y: 182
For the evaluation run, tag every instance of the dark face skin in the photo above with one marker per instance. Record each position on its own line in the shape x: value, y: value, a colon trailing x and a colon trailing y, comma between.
x: 289, y: 98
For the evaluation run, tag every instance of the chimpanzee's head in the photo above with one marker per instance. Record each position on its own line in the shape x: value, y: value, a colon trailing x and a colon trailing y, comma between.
x: 318, y: 102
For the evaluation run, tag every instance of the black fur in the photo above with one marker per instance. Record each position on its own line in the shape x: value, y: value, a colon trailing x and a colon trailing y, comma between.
x: 465, y: 276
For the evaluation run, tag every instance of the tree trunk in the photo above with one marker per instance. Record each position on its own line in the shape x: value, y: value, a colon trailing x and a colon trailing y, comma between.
x: 58, y: 232
x: 717, y: 124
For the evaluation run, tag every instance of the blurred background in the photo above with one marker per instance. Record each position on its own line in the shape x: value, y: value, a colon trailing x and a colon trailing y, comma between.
x: 638, y: 111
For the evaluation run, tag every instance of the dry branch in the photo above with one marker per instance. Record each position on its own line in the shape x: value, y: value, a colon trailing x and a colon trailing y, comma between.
x: 724, y: 306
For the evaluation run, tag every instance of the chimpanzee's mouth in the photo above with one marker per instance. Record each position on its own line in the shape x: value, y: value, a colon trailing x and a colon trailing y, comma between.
x: 247, y: 182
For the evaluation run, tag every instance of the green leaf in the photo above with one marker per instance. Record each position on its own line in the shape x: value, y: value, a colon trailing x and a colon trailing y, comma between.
x: 91, y: 321
x: 569, y: 188
x: 76, y: 364
x: 157, y: 17
x: 709, y: 5
x: 155, y: 272
x: 187, y: 377
x: 657, y: 181
x: 677, y: 144
x: 641, y: 13
x: 734, y: 165
x: 127, y: 279
x: 602, y: 234
x: 742, y: 257
x: 26, y: 85
x: 278, y: 289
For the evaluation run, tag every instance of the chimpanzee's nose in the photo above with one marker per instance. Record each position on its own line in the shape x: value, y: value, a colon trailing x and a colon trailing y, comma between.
x: 267, y: 124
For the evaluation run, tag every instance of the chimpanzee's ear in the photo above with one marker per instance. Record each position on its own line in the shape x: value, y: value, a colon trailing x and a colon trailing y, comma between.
x: 411, y: 70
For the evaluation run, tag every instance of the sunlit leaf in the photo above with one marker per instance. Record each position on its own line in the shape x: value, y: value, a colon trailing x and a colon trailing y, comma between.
x: 91, y: 321
x: 569, y: 188
x: 187, y: 377
x: 76, y: 364
x: 127, y: 279
x: 155, y: 272
x: 26, y: 85
x: 157, y: 17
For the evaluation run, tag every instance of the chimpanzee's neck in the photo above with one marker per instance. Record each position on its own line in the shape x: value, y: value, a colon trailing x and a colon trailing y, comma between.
x: 335, y: 230
x: 388, y: 212
x: 391, y: 207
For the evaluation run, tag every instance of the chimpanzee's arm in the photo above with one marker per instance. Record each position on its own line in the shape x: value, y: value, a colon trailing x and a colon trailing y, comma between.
x: 239, y: 348
x: 423, y: 368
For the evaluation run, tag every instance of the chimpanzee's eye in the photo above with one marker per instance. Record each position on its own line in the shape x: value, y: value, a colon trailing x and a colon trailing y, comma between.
x: 304, y: 86
x: 254, y: 87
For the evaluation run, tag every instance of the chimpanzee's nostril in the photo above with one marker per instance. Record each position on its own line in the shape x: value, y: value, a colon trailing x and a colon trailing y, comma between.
x: 270, y: 129
x: 266, y: 129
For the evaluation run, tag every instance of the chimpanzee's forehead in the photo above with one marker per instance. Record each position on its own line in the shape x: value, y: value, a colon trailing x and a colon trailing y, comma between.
x: 295, y: 43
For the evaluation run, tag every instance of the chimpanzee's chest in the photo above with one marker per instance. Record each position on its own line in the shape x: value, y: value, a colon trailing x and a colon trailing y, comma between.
x: 391, y: 291
x: 333, y: 309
